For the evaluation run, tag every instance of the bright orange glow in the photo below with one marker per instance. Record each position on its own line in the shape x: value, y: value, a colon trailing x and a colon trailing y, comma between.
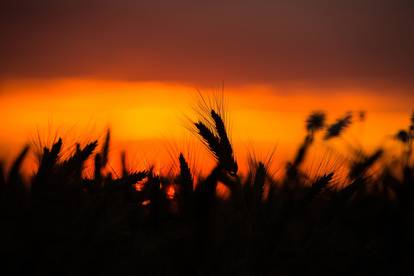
x: 222, y: 191
x: 149, y: 120
x: 146, y: 202
x: 170, y: 192
x: 139, y: 186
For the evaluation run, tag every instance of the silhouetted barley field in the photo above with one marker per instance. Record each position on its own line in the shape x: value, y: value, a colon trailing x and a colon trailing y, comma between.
x: 140, y: 222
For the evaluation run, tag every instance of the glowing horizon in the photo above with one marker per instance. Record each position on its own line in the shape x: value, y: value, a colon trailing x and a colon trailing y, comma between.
x: 150, y: 118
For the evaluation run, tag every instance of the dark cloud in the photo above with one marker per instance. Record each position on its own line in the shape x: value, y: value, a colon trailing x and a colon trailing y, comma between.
x: 365, y: 42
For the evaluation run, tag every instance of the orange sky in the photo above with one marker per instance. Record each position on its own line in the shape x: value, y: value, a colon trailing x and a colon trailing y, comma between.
x: 150, y: 119
x: 77, y: 67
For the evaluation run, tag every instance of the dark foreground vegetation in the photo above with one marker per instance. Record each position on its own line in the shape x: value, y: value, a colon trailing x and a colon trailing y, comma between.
x: 63, y: 223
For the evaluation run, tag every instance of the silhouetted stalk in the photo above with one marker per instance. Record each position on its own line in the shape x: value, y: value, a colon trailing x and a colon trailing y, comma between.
x: 318, y: 186
x: 218, y: 143
x: 105, y: 148
x: 360, y: 167
x: 338, y: 127
x: 319, y: 226
x: 185, y: 181
x: 123, y: 164
x: 15, y: 178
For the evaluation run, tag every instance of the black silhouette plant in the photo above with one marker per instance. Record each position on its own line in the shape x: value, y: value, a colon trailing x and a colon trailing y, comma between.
x: 363, y: 163
x: 315, y: 122
x: 362, y: 115
x: 338, y: 127
x: 218, y: 143
x: 62, y: 222
x: 403, y: 136
x: 185, y: 182
x: 406, y: 138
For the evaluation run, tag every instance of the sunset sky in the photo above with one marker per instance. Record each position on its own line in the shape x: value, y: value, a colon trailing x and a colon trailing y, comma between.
x: 79, y: 66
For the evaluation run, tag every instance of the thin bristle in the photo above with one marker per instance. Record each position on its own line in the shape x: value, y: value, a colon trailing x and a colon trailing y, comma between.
x: 321, y: 183
x: 56, y: 148
x: 359, y: 168
x: 105, y: 148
